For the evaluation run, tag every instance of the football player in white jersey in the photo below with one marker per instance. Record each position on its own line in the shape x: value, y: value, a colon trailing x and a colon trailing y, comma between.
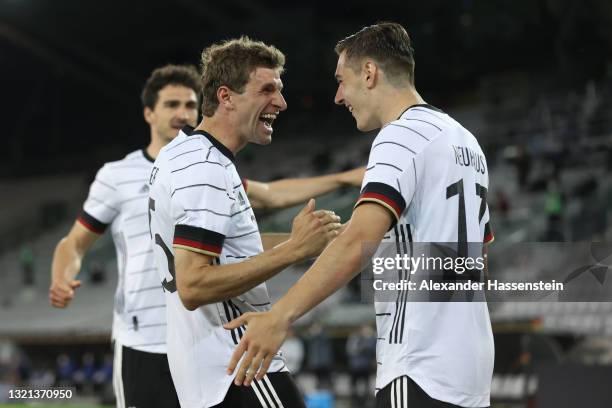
x: 208, y: 250
x: 426, y: 182
x: 118, y: 198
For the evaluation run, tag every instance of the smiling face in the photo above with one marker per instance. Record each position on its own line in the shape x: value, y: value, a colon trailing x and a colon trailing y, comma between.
x: 259, y: 105
x: 176, y: 107
x: 353, y: 92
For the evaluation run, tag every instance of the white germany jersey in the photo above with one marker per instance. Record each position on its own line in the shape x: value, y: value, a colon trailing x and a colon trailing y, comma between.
x: 198, y: 203
x: 119, y: 197
x: 431, y: 174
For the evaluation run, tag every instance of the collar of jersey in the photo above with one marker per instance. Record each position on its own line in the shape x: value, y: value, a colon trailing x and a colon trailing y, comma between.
x: 147, y: 156
x: 189, y: 131
x: 421, y: 105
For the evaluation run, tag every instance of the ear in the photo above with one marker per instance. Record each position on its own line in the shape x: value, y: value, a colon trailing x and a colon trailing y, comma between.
x: 149, y: 115
x: 224, y: 97
x: 370, y: 73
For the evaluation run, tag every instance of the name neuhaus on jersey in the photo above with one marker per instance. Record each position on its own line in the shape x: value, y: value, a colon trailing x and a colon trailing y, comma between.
x: 464, y: 156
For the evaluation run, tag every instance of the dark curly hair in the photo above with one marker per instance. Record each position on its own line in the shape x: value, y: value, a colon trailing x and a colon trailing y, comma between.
x: 185, y: 75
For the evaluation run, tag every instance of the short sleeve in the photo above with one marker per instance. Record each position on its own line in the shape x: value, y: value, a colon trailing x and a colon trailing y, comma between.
x: 390, y: 178
x: 102, y: 204
x: 205, y: 199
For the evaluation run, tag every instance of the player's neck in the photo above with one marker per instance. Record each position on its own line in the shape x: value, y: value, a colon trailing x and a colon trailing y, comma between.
x: 223, y: 132
x: 396, y: 101
x: 155, y: 146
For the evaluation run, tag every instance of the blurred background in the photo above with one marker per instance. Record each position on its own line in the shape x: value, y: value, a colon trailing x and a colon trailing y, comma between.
x: 532, y: 80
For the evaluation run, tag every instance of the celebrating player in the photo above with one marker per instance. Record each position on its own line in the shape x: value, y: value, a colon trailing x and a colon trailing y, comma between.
x: 119, y: 197
x: 207, y: 244
x: 430, y: 354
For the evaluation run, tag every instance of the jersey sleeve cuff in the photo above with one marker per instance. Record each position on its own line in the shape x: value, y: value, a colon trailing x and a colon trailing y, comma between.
x: 384, y: 195
x: 488, y: 234
x: 91, y: 223
x: 198, y: 240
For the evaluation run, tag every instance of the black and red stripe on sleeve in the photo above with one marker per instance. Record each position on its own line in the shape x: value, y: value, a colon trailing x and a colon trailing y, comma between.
x: 198, y: 240
x: 92, y: 224
x: 488, y: 234
x: 384, y: 195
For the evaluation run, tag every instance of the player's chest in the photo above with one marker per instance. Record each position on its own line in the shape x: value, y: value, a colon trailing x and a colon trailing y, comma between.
x: 133, y: 197
x: 242, y: 216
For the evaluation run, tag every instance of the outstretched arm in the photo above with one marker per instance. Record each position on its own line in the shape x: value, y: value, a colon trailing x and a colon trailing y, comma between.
x: 66, y: 264
x: 201, y: 282
x: 288, y: 192
x: 271, y: 239
x: 335, y: 267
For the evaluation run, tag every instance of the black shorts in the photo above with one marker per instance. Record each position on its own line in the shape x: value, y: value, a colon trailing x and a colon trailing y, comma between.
x: 405, y: 393
x: 142, y: 380
x: 275, y: 390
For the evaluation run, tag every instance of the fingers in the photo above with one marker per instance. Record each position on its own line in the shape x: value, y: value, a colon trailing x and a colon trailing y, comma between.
x: 60, y: 294
x: 242, y: 346
x: 55, y: 302
x: 59, y: 300
x: 244, y: 367
x: 326, y: 216
x: 309, y: 207
x: 238, y: 352
x: 237, y: 322
x: 333, y: 226
x: 75, y: 284
x: 264, y: 367
x: 323, y: 213
x: 59, y: 304
x: 254, y: 368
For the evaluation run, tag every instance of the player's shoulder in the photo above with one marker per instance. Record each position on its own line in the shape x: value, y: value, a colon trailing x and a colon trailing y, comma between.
x: 133, y: 158
x: 126, y: 166
x: 428, y: 118
x: 437, y: 121
x: 419, y: 126
x: 193, y: 153
x: 413, y: 130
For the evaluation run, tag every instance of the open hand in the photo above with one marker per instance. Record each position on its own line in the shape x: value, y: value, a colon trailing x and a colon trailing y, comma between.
x: 265, y: 333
